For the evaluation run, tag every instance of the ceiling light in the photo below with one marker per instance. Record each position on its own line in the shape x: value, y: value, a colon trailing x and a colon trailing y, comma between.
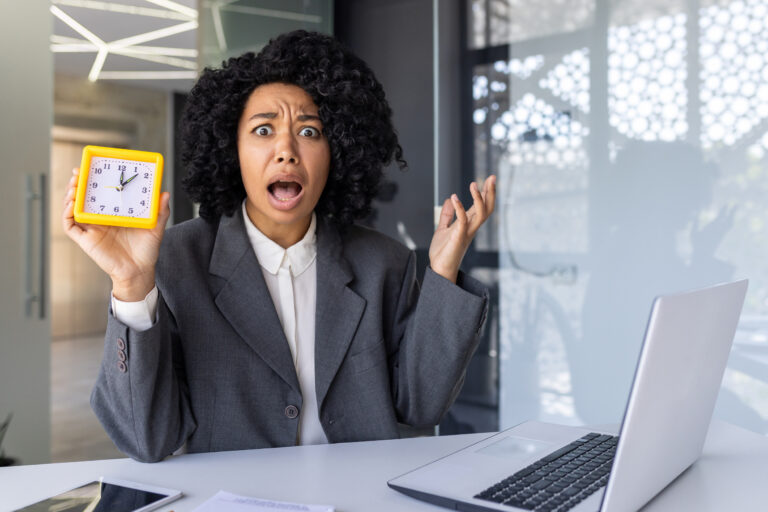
x: 148, y: 75
x: 66, y: 40
x: 160, y: 59
x: 98, y: 63
x: 161, y: 50
x: 74, y: 48
x: 155, y: 34
x: 74, y: 25
x: 63, y: 44
x: 126, y: 9
x: 173, y: 6
x: 132, y: 47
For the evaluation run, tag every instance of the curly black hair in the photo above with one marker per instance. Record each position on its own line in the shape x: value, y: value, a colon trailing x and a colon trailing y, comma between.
x: 357, y: 121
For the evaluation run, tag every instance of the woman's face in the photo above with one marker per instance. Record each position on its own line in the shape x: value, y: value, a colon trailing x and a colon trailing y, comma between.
x: 284, y: 160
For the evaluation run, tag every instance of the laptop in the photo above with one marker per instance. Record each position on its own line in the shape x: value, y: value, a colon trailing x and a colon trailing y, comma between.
x: 547, y: 467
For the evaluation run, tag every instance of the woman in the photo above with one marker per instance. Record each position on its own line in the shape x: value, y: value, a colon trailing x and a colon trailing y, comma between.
x: 273, y: 320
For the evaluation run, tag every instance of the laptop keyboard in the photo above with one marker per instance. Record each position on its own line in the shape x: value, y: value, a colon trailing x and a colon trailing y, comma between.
x: 560, y: 480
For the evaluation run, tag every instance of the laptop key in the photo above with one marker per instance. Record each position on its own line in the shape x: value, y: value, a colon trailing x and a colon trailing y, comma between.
x: 562, y: 451
x: 531, y: 478
x: 560, y: 480
x: 523, y: 472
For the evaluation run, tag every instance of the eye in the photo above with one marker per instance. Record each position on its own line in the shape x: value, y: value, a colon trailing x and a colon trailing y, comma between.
x: 263, y: 130
x: 309, y: 131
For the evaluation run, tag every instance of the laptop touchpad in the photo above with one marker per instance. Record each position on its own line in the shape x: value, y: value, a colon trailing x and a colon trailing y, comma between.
x: 513, y: 446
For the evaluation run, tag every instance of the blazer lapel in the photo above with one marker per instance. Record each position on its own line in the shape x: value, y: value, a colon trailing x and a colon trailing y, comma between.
x: 244, y: 299
x: 338, y: 310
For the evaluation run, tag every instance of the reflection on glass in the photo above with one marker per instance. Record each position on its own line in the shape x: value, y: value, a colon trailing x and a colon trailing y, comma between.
x: 632, y: 162
x: 496, y: 22
x: 231, y: 27
x: 733, y: 45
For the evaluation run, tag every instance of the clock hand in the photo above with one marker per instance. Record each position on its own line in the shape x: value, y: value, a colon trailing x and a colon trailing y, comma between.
x: 129, y: 180
x: 121, y: 178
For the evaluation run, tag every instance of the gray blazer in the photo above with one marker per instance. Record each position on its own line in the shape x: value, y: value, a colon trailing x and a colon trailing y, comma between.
x: 215, y: 370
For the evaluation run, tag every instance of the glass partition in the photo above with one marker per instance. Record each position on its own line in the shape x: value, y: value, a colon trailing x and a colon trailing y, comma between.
x: 231, y: 27
x: 630, y: 140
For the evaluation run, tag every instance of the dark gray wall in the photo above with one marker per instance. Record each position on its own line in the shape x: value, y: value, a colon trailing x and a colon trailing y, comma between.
x: 395, y: 39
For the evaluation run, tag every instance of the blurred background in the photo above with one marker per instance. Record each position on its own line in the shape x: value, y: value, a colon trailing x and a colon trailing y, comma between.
x: 630, y: 141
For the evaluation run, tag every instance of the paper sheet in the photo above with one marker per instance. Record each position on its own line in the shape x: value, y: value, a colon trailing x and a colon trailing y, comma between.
x: 227, y: 502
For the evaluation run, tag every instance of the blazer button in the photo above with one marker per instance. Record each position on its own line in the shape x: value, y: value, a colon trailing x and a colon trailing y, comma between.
x: 120, y: 343
x: 121, y: 355
x: 122, y: 367
x: 291, y: 411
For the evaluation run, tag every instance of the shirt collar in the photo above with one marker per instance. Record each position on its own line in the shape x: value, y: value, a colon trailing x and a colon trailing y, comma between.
x: 270, y: 255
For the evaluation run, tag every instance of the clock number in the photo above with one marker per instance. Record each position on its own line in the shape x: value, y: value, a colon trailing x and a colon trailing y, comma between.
x: 107, y: 166
x: 117, y: 209
x: 93, y: 199
x: 120, y: 167
x: 101, y: 208
x: 142, y: 203
x: 144, y: 190
x: 146, y: 175
x: 98, y: 170
x: 95, y: 185
x: 130, y: 211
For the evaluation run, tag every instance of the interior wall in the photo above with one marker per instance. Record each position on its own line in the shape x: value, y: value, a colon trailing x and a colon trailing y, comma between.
x: 395, y: 39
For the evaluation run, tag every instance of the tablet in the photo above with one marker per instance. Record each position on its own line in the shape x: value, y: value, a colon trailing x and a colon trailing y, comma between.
x: 107, y: 495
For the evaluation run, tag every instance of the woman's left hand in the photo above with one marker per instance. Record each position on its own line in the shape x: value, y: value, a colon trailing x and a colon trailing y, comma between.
x: 453, y: 236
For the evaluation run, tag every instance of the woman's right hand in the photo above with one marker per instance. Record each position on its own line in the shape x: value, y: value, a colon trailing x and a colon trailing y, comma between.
x: 127, y: 255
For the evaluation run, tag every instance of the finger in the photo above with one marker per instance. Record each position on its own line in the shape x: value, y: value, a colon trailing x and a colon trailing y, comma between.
x: 489, y: 194
x: 461, y: 214
x: 71, y: 228
x: 164, y: 213
x: 71, y: 188
x: 446, y: 215
x: 70, y: 193
x: 476, y: 214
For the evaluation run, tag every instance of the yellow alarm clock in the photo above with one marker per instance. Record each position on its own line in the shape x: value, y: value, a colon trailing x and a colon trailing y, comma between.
x: 119, y: 187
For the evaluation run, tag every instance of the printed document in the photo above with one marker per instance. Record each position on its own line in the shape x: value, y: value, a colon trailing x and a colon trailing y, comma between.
x: 228, y: 502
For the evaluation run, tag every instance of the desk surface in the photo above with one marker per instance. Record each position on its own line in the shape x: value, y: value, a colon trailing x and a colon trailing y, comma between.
x: 732, y: 474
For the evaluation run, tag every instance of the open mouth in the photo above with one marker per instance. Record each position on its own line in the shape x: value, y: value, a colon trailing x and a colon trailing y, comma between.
x: 285, y: 191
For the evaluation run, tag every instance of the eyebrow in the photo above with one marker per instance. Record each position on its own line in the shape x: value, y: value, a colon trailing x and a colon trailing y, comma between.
x: 263, y: 115
x: 273, y: 115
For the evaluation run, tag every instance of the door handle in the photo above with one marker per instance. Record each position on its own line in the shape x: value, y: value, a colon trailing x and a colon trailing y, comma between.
x: 35, y: 230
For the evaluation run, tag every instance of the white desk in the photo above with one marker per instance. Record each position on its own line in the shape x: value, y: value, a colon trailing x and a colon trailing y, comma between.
x: 731, y: 475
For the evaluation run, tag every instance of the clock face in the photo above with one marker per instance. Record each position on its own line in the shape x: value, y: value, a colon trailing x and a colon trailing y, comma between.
x: 119, y: 187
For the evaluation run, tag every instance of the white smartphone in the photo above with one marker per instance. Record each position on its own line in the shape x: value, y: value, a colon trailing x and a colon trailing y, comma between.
x: 106, y: 494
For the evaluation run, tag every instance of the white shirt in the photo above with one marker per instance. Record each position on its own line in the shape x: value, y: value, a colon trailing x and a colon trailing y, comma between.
x: 291, y: 277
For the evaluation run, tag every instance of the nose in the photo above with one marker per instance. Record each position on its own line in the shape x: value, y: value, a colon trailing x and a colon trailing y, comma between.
x: 285, y: 150
x: 286, y: 156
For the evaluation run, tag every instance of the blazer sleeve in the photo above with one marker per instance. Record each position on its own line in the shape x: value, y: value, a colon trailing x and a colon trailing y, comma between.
x: 140, y: 395
x: 438, y: 329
